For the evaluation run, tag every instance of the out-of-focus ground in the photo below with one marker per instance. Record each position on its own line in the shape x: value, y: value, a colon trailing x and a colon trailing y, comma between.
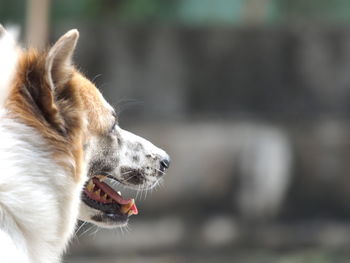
x: 251, y: 99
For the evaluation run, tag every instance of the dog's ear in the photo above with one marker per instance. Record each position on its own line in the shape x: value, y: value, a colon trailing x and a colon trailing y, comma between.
x: 58, y: 72
x: 46, y: 80
x: 42, y: 86
x: 59, y: 59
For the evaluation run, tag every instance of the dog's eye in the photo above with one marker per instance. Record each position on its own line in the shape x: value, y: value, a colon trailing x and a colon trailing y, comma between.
x: 114, y: 126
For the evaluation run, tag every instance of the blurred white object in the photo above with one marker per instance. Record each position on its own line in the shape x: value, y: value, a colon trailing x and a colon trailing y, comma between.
x: 220, y: 230
x: 264, y: 170
x: 242, y: 164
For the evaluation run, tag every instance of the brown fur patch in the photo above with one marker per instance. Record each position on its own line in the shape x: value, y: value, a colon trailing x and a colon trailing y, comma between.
x: 56, y: 115
x: 99, y: 117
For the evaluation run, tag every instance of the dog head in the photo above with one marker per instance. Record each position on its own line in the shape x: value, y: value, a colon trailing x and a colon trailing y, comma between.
x: 50, y: 95
x: 115, y: 157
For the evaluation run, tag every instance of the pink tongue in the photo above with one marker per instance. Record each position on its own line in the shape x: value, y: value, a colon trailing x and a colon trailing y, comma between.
x: 134, y: 209
x: 113, y: 194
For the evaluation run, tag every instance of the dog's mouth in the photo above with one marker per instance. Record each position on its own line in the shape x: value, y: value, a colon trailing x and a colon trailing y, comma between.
x: 100, y: 196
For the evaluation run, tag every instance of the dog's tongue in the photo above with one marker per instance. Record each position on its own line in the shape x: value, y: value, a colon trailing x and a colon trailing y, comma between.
x: 127, y: 206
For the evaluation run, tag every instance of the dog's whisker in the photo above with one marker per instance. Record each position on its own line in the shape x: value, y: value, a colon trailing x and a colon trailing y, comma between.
x: 126, y: 172
x: 122, y: 230
x: 96, y: 77
x: 162, y: 172
x: 126, y: 180
x: 138, y: 191
x: 80, y: 227
x: 86, y: 231
x: 157, y: 186
x: 159, y: 170
x: 146, y: 191
x: 94, y: 232
x: 127, y: 229
x: 145, y: 194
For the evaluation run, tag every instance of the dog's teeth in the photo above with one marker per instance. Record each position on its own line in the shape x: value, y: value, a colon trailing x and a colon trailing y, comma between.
x: 119, y: 193
x: 90, y: 186
x: 131, y: 212
x: 101, y: 177
x: 125, y: 208
x: 104, y: 197
x: 98, y: 192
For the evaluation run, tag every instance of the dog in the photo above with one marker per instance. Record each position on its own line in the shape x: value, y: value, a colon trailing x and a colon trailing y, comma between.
x: 61, y: 152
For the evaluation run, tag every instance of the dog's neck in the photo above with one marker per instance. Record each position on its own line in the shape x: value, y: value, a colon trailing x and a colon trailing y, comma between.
x: 38, y: 201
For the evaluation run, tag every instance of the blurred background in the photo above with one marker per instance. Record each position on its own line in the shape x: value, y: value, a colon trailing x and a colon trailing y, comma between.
x: 251, y: 98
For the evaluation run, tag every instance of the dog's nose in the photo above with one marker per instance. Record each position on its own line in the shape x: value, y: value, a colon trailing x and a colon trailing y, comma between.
x: 165, y: 163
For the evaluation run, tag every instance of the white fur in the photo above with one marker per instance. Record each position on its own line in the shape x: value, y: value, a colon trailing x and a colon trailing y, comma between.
x: 148, y: 155
x: 131, y: 145
x: 8, y: 62
x: 39, y: 201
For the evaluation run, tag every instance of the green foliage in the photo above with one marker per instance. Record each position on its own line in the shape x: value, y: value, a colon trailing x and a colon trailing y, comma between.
x: 76, y: 10
x: 131, y: 10
x: 182, y: 11
x: 12, y: 11
x: 314, y: 10
x: 147, y: 9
